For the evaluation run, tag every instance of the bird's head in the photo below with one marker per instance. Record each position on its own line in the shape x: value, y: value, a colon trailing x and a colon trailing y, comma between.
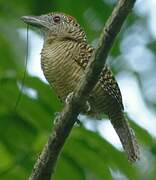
x: 57, y: 25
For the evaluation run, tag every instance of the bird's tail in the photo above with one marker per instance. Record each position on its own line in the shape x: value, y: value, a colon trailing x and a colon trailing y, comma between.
x: 126, y: 135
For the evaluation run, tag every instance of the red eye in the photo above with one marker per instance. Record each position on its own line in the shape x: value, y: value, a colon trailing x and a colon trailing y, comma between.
x: 56, y: 19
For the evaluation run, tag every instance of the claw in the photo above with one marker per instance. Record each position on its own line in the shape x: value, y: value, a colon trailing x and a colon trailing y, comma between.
x: 69, y: 96
x: 78, y: 123
x: 88, y: 106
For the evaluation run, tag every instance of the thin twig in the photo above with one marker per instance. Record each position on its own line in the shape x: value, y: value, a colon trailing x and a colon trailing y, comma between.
x: 24, y: 74
x: 44, y: 167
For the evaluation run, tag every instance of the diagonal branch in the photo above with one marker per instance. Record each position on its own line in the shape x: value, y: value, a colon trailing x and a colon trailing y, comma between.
x: 45, y: 164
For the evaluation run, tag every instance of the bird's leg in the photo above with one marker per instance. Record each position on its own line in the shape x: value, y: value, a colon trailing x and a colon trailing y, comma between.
x: 78, y: 123
x: 88, y: 107
x: 68, y: 98
x: 58, y: 114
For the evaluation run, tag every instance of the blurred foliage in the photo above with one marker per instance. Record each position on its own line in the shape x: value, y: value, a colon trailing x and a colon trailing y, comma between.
x: 24, y: 131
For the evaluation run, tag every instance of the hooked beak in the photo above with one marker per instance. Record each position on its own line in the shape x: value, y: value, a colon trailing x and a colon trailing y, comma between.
x: 37, y: 21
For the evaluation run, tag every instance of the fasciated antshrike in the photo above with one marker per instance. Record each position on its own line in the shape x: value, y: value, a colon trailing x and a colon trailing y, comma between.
x: 64, y: 59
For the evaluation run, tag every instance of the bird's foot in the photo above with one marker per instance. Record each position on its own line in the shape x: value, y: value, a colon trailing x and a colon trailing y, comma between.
x: 78, y: 123
x: 69, y: 96
x: 88, y: 107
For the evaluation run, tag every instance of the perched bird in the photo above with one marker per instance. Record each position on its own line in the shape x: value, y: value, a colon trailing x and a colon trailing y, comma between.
x: 64, y: 59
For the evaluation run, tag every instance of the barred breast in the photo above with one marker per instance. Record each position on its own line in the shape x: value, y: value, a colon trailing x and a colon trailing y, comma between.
x: 60, y: 68
x: 64, y: 63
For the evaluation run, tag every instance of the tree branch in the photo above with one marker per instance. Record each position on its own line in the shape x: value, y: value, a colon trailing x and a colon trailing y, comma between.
x: 45, y: 164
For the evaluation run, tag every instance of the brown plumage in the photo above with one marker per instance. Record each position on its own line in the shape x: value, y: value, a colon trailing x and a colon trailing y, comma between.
x: 64, y: 59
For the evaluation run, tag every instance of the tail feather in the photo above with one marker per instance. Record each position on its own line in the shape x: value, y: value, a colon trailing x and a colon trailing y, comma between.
x: 126, y: 135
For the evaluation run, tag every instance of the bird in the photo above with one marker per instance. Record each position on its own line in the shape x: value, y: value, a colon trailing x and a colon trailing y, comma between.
x: 64, y: 59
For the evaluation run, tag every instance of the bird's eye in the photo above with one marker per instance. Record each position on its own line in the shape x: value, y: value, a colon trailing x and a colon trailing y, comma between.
x: 56, y: 19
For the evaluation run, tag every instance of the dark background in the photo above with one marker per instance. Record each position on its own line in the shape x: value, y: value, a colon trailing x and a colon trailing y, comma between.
x: 87, y: 155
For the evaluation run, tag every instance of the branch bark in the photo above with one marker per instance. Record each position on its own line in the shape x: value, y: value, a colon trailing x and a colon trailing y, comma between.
x: 44, y: 167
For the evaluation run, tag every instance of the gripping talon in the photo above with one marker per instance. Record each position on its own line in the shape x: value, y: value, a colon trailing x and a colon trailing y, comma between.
x: 69, y: 96
x: 88, y: 106
x: 78, y: 123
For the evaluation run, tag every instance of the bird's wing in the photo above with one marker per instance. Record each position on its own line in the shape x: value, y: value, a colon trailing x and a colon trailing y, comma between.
x: 108, y: 82
x: 110, y: 87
